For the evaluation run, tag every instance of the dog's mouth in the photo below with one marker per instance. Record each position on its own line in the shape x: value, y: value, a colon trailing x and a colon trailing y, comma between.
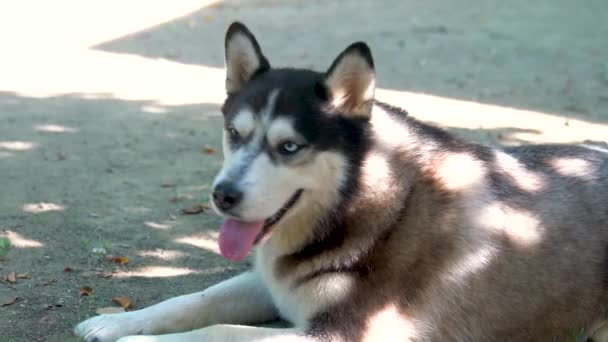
x: 238, y: 237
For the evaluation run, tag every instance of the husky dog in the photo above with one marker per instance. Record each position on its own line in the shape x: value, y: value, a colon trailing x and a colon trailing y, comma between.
x: 368, y: 225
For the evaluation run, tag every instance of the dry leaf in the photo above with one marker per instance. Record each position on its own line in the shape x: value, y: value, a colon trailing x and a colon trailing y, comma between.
x: 9, y: 301
x: 24, y: 276
x: 10, y: 277
x: 86, y: 291
x: 120, y: 259
x: 110, y: 310
x: 68, y: 269
x: 125, y: 302
x: 208, y: 150
x: 167, y: 185
x: 197, y: 209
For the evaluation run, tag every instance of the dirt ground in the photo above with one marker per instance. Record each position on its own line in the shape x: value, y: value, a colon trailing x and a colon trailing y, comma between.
x: 109, y: 114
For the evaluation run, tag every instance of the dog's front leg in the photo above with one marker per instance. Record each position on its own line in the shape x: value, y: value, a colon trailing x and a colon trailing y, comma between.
x: 239, y: 300
x: 228, y: 333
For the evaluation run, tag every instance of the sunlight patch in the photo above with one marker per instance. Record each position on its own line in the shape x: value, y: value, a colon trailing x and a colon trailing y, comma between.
x: 155, y: 272
x: 163, y: 254
x: 525, y: 179
x: 471, y: 263
x: 41, y: 207
x: 18, y: 241
x: 377, y: 174
x: 389, y: 324
x: 154, y: 109
x: 166, y: 271
x: 573, y: 167
x: 460, y: 172
x: 55, y: 129
x: 207, y: 241
x: 519, y: 226
x: 18, y: 145
x: 156, y: 225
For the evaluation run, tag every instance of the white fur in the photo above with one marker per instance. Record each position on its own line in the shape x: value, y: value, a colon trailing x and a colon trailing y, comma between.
x: 299, y: 304
x: 281, y: 129
x: 244, y: 122
x: 239, y: 300
x: 226, y: 333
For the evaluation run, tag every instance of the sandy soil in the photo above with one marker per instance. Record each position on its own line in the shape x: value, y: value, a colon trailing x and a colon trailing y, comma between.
x: 106, y: 110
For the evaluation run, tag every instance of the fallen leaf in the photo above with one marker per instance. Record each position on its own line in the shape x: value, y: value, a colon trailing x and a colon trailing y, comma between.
x: 68, y: 269
x: 120, y: 259
x: 125, y: 302
x: 167, y: 185
x: 110, y: 310
x: 9, y: 301
x: 208, y: 150
x: 197, y: 209
x: 10, y: 277
x: 24, y: 276
x: 86, y: 291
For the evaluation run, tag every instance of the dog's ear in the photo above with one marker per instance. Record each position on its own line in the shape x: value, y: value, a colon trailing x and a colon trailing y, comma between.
x: 244, y: 57
x: 351, y: 81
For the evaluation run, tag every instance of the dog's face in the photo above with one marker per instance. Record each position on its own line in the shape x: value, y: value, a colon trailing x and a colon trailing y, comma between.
x: 289, y: 134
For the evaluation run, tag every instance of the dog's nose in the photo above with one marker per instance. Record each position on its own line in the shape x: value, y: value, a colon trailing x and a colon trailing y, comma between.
x: 226, y: 196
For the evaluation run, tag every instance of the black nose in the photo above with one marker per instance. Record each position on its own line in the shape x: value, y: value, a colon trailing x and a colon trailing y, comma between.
x: 226, y: 196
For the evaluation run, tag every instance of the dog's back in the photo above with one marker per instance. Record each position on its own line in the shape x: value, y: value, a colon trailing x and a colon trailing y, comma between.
x: 483, y: 244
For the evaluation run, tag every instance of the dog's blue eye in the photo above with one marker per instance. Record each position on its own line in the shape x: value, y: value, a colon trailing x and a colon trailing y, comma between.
x: 288, y: 148
x: 234, y: 134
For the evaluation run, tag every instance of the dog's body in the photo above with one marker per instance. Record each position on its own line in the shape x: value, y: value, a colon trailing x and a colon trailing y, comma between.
x: 371, y: 226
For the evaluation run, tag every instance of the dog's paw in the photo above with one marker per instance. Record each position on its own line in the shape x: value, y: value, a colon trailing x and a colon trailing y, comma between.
x: 109, y: 328
x: 140, y: 339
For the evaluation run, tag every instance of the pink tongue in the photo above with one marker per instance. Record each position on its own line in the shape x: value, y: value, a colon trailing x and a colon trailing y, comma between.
x: 237, y: 237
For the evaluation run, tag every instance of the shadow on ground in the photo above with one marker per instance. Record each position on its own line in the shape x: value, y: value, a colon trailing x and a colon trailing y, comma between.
x: 81, y: 176
x: 494, y: 52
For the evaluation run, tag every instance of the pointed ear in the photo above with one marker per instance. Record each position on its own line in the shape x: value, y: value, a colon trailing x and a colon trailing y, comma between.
x: 244, y: 57
x: 351, y: 81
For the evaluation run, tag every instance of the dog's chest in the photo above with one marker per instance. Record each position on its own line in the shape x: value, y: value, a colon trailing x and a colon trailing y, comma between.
x: 298, y: 301
x: 287, y: 299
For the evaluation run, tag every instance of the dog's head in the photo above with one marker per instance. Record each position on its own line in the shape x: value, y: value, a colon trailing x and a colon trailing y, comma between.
x: 291, y: 137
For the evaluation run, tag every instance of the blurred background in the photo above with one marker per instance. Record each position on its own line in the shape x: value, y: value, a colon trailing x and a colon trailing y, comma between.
x: 110, y: 122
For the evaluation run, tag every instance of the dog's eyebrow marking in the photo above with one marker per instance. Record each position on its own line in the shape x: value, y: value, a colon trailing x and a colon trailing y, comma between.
x: 244, y: 122
x: 281, y: 129
x: 267, y: 111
